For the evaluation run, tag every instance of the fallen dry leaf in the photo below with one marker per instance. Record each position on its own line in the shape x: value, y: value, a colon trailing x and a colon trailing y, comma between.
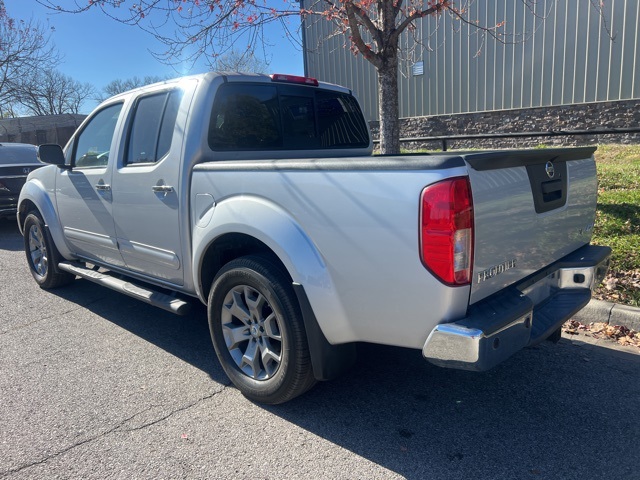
x: 617, y: 333
x: 610, y: 283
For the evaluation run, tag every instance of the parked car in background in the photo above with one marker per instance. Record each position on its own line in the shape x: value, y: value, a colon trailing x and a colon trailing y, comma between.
x: 17, y: 160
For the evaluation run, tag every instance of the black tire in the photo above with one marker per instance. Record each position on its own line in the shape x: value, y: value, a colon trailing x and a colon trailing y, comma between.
x: 42, y: 254
x: 272, y: 329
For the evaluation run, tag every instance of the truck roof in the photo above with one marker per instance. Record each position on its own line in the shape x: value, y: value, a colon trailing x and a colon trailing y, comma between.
x: 229, y: 77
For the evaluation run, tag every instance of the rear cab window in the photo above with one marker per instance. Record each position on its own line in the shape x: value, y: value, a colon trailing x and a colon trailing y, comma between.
x: 284, y: 117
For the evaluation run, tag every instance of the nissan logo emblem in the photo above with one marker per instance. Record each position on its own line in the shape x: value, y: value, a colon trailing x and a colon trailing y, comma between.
x: 549, y: 168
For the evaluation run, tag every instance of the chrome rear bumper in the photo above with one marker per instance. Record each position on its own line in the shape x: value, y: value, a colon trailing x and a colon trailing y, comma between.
x: 521, y: 315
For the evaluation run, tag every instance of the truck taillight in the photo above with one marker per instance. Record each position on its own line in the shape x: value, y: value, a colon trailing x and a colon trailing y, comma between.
x: 446, y: 230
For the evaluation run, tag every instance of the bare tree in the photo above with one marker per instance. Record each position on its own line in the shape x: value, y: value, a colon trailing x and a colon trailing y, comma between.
x: 25, y: 46
x: 119, y: 86
x: 237, y: 61
x: 50, y: 92
x: 371, y: 28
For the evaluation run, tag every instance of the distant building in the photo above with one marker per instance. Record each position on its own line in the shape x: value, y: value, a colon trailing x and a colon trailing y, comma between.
x: 41, y: 129
x: 568, y: 60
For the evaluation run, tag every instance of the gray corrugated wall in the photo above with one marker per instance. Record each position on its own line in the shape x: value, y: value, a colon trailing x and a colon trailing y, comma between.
x: 567, y: 59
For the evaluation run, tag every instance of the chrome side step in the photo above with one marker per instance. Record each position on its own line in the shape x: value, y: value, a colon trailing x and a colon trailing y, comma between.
x: 144, y: 293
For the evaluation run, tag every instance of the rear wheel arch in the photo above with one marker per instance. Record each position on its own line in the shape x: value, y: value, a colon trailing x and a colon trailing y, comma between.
x: 227, y: 248
x: 329, y: 361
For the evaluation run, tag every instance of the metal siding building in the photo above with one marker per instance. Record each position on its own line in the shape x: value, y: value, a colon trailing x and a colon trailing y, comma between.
x: 567, y: 59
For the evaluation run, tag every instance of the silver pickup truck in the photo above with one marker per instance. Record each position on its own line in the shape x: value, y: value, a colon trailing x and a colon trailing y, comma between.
x: 258, y: 195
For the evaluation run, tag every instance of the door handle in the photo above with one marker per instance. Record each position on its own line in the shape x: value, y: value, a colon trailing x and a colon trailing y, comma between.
x: 101, y: 187
x: 162, y: 189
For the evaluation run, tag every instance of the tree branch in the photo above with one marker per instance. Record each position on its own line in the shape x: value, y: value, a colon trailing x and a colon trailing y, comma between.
x: 356, y: 37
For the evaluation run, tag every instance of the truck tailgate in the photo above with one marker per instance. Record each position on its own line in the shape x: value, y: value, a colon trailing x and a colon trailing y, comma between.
x: 531, y: 209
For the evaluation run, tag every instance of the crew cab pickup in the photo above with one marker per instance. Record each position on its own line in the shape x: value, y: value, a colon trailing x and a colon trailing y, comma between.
x: 258, y: 196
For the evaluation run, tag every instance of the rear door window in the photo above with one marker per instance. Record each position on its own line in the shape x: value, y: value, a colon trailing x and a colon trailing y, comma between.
x: 151, y: 131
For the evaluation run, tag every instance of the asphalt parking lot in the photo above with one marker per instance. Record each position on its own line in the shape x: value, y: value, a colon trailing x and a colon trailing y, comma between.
x: 94, y: 384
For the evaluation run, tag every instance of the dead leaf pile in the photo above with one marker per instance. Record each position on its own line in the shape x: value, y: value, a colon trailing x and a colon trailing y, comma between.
x: 616, y: 333
x: 620, y: 287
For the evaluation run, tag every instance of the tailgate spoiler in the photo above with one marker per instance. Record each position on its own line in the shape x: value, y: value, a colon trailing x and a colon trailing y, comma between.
x: 521, y: 158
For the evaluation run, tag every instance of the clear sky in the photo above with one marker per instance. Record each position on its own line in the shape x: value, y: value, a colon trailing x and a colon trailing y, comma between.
x: 97, y: 49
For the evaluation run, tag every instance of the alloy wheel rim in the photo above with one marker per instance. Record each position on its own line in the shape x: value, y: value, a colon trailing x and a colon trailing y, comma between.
x: 252, y: 332
x: 38, y: 251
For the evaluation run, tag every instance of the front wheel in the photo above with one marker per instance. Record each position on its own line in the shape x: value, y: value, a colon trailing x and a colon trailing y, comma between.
x: 42, y: 254
x: 258, y: 332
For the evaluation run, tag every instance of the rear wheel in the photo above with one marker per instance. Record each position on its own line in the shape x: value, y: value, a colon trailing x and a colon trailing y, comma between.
x: 258, y: 332
x: 42, y: 254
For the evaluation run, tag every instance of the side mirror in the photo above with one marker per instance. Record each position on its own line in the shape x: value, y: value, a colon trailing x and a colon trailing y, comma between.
x: 52, y: 154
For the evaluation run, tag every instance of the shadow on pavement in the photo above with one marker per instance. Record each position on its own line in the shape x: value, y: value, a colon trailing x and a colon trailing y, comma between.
x: 10, y: 238
x: 555, y: 411
x: 185, y: 337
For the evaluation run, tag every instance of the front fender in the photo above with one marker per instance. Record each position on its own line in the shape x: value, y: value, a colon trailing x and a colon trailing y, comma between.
x: 35, y: 191
x: 276, y: 228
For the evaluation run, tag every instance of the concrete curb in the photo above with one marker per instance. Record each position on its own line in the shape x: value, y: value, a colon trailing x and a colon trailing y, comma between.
x: 611, y: 313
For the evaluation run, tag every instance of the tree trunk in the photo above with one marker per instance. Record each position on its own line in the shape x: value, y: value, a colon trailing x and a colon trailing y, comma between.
x: 388, y: 106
